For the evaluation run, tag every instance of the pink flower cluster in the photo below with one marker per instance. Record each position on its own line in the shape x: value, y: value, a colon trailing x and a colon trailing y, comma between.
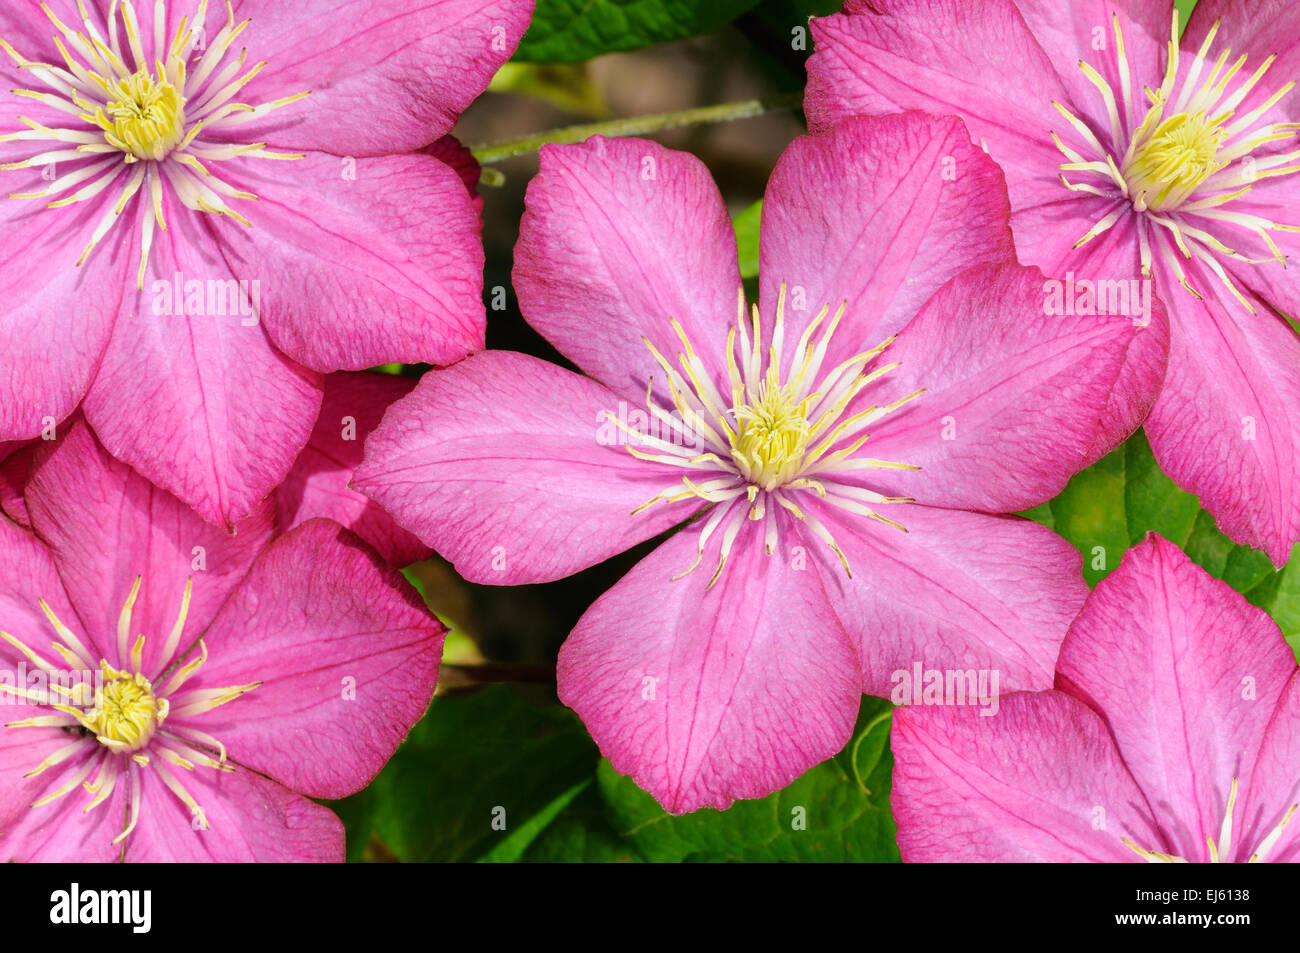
x: 212, y: 205
x: 1017, y: 232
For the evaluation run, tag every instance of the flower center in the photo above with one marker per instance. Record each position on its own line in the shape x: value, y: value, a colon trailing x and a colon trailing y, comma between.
x: 772, y: 434
x: 1170, y: 164
x: 148, y: 116
x: 1181, y: 167
x: 126, y: 713
x: 140, y: 121
x: 774, y: 440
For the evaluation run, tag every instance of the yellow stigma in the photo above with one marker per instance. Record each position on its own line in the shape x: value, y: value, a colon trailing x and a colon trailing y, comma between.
x: 772, y: 434
x: 1170, y: 162
x: 126, y: 712
x: 145, y: 116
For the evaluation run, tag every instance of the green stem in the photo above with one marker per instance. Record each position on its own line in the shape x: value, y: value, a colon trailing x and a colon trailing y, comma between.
x: 491, y: 152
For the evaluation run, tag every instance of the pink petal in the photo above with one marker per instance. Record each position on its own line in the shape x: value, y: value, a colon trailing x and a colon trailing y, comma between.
x: 452, y: 153
x: 51, y: 349
x: 317, y: 486
x: 1015, y: 397
x: 705, y: 695
x: 957, y: 590
x: 1224, y: 426
x: 106, y: 525
x: 980, y: 62
x: 15, y: 467
x: 24, y: 25
x: 361, y: 262
x: 200, y: 404
x: 56, y: 318
x: 27, y: 28
x: 1040, y: 781
x: 346, y: 653
x: 28, y: 574
x: 1071, y: 35
x: 1258, y: 29
x: 60, y: 831
x: 1274, y: 199
x: 21, y: 750
x: 385, y: 75
x: 250, y: 820
x: 1187, y: 676
x: 1274, y: 786
x: 620, y: 237
x: 866, y: 214
x: 1046, y: 236
x: 505, y: 465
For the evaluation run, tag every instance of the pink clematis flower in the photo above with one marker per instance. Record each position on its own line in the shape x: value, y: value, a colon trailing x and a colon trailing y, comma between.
x: 1173, y: 735
x: 898, y: 357
x: 210, y: 204
x: 1131, y: 156
x: 172, y: 692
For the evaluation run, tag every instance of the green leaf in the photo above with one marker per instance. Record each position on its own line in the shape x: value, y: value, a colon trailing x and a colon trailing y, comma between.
x: 1285, y: 604
x: 1113, y: 504
x: 473, y: 760
x: 519, y: 840
x: 1090, y: 514
x: 838, y: 810
x: 582, y: 834
x: 566, y: 31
